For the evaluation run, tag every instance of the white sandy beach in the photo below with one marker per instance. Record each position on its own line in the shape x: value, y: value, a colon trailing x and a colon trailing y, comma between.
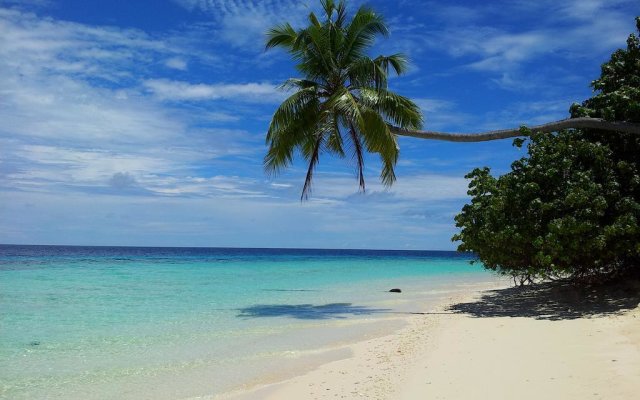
x: 553, y: 353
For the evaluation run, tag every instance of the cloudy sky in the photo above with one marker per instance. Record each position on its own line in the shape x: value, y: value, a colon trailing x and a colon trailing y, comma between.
x: 143, y: 122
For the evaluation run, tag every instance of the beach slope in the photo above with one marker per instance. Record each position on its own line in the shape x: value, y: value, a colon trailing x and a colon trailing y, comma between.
x: 491, y: 345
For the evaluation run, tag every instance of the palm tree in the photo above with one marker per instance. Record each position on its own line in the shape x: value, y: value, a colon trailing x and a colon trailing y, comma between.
x: 342, y: 105
x: 343, y: 102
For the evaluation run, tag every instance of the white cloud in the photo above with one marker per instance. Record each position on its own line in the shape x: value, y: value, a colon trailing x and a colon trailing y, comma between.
x: 502, y: 50
x: 570, y: 29
x: 157, y: 169
x: 585, y: 9
x: 417, y: 187
x: 219, y: 221
x: 50, y: 165
x: 244, y: 23
x: 34, y: 45
x: 281, y: 185
x: 28, y: 3
x: 213, y: 187
x: 74, y: 117
x: 63, y: 109
x: 528, y: 113
x: 176, y: 63
x: 442, y: 114
x: 446, y: 115
x: 50, y: 73
x: 248, y: 92
x: 433, y: 105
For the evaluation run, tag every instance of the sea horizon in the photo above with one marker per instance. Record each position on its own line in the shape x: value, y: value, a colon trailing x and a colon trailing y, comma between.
x: 230, y: 248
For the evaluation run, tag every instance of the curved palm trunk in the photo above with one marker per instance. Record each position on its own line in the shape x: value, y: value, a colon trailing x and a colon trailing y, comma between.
x: 571, y: 123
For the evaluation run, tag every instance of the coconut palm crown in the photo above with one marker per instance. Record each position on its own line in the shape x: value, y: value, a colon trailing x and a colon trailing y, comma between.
x: 342, y: 104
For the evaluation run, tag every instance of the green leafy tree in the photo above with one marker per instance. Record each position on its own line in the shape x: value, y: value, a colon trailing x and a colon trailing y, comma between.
x: 571, y: 207
x: 342, y: 105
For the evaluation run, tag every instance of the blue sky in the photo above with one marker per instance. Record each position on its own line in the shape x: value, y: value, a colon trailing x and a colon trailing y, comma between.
x: 143, y: 122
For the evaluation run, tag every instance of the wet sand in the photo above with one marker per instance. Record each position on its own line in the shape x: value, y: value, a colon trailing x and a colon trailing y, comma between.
x: 546, y: 342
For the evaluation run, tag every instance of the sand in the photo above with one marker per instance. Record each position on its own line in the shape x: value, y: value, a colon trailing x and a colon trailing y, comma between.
x: 505, y: 344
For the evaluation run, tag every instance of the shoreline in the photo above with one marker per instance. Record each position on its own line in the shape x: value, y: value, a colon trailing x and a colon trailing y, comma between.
x: 449, y: 354
x: 370, y: 365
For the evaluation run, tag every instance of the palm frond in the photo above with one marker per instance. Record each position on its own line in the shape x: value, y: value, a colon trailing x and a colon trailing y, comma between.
x: 334, y: 141
x: 341, y: 14
x: 291, y: 110
x: 311, y: 150
x: 296, y: 83
x: 397, y: 109
x: 281, y: 36
x: 318, y: 60
x: 388, y: 173
x: 398, y: 62
x: 328, y: 6
x: 358, y: 156
x: 369, y: 125
x: 314, y: 20
x: 361, y: 33
x: 379, y: 139
x: 347, y: 108
x: 366, y: 72
x: 286, y: 135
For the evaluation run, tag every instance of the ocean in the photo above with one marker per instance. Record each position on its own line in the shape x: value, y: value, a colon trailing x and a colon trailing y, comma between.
x: 179, y: 323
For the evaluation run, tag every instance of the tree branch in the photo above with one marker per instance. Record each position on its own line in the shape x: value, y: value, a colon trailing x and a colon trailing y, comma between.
x: 571, y: 123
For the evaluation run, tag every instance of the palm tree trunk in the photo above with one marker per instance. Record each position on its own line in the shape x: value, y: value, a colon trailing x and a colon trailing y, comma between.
x: 571, y: 123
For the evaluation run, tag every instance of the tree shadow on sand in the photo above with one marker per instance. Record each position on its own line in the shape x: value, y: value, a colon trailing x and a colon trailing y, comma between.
x: 308, y: 311
x: 554, y: 301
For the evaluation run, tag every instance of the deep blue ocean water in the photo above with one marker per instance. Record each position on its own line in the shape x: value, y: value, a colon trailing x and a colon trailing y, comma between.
x: 169, y: 323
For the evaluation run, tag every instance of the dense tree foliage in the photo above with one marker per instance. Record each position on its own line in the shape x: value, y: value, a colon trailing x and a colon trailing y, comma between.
x: 342, y: 104
x: 571, y: 207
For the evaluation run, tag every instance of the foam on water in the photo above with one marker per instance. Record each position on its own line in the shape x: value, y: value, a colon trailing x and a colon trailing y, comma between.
x: 132, y: 323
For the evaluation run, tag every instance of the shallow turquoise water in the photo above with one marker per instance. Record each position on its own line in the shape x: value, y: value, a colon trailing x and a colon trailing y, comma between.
x: 100, y: 323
